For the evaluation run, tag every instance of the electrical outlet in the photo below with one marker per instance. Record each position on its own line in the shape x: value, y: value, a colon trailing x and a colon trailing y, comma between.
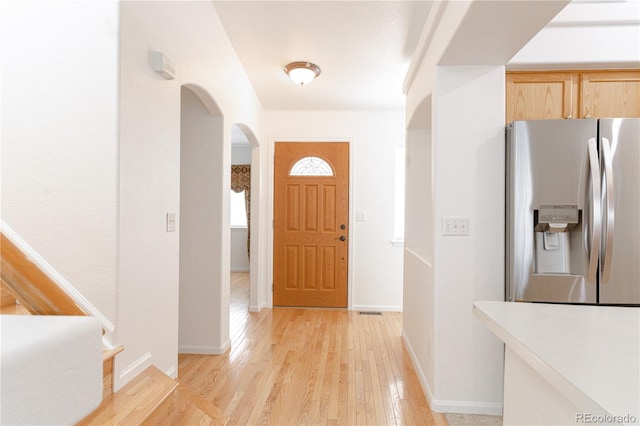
x: 455, y: 226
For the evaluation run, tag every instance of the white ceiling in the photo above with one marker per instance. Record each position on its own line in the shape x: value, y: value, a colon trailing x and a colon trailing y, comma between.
x: 363, y: 48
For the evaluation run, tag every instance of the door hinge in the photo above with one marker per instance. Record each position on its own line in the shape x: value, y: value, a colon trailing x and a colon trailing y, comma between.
x: 271, y: 287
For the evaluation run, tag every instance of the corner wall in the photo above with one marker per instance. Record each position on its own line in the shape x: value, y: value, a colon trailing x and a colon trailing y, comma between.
x: 200, y: 195
x: 468, y: 137
x: 457, y: 156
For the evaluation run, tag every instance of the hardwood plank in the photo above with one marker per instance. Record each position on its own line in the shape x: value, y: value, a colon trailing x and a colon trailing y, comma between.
x: 350, y: 407
x: 311, y: 366
x: 112, y: 352
x: 186, y: 407
x: 132, y: 404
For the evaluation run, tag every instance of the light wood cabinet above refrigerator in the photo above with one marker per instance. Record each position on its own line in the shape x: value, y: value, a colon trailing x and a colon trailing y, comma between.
x: 536, y: 95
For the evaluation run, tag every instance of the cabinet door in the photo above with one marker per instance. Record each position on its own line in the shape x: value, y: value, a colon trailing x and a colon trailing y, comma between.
x: 610, y: 94
x: 537, y: 95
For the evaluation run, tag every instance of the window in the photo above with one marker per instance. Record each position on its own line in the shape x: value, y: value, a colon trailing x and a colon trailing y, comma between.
x: 311, y: 166
x: 238, y: 215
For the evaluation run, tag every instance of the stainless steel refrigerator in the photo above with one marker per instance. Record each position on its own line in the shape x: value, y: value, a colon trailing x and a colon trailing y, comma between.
x: 573, y: 211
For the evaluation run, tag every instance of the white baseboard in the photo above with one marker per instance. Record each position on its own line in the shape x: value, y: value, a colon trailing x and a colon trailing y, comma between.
x: 384, y: 308
x: 416, y: 366
x: 443, y: 406
x: 467, y: 407
x: 135, y: 368
x: 171, y: 372
x: 198, y: 350
x: 253, y: 308
x: 225, y: 346
x: 205, y: 349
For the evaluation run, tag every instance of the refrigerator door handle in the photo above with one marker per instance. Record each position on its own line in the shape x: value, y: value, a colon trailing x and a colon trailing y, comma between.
x: 609, y: 199
x: 596, y: 213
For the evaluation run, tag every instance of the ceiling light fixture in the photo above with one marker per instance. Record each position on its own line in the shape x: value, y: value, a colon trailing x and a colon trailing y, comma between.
x: 302, y: 72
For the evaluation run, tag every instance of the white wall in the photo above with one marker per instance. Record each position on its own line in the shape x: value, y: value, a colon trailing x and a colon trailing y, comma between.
x: 468, y: 138
x: 200, y: 195
x: 241, y: 154
x: 375, y: 265
x: 239, y: 256
x: 419, y: 191
x: 586, y: 35
x: 59, y: 130
x: 191, y: 35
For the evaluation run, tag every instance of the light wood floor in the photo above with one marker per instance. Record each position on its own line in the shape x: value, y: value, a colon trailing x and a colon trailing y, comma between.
x: 289, y: 366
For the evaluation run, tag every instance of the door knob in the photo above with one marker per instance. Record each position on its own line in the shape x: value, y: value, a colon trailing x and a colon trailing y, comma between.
x: 342, y: 238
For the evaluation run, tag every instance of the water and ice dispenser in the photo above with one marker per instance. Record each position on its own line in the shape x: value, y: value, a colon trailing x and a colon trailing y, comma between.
x: 557, y: 231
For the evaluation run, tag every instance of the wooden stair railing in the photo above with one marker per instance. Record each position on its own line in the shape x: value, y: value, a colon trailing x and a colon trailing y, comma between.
x: 10, y: 304
x: 6, y: 297
x: 35, y: 290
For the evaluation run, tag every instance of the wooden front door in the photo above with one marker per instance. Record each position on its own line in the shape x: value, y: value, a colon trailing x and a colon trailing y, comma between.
x: 311, y: 224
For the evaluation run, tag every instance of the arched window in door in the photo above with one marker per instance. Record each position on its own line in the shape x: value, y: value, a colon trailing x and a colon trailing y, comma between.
x: 311, y: 166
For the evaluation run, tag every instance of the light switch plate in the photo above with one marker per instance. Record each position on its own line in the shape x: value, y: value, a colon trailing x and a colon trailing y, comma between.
x: 171, y: 222
x: 361, y: 216
x: 455, y: 225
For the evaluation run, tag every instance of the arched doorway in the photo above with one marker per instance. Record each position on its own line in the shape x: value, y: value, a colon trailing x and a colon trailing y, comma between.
x: 205, y: 240
x: 240, y: 232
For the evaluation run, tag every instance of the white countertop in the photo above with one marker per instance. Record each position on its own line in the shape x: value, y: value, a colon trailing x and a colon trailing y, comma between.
x: 591, y: 354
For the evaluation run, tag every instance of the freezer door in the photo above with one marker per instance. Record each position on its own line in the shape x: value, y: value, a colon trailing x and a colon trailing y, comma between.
x: 620, y: 253
x: 549, y: 168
